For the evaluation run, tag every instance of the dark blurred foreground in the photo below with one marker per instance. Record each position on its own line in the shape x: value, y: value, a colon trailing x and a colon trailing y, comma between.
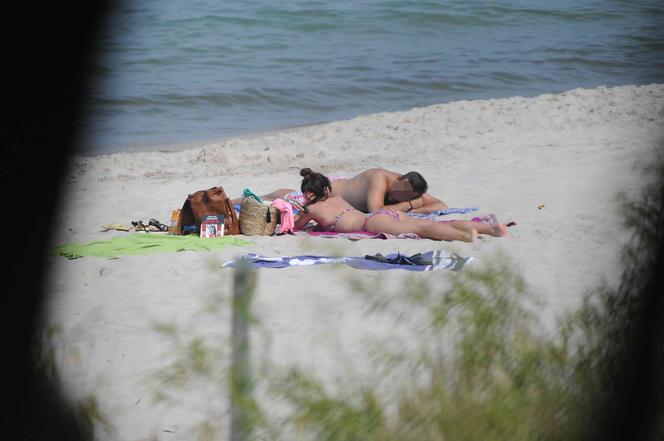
x: 47, y: 46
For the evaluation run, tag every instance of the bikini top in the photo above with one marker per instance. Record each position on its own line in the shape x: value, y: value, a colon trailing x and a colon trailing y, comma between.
x: 333, y: 225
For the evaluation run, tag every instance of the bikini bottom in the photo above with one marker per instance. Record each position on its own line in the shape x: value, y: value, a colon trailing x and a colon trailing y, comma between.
x: 385, y: 211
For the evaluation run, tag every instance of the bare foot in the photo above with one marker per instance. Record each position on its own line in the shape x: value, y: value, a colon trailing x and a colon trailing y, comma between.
x: 500, y: 230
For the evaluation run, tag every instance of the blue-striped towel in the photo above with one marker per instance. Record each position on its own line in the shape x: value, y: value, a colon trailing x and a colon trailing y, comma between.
x: 433, y: 261
x: 434, y: 214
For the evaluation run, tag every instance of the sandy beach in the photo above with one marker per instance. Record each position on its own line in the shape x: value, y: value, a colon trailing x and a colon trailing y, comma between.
x: 554, y: 164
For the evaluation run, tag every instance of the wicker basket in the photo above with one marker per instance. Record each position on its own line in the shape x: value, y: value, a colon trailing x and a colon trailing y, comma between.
x: 257, y: 219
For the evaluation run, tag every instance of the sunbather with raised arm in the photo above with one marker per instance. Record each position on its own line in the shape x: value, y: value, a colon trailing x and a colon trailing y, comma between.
x: 333, y: 213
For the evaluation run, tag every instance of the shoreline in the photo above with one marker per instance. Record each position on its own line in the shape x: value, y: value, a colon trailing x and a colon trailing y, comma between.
x: 329, y: 146
x: 173, y: 147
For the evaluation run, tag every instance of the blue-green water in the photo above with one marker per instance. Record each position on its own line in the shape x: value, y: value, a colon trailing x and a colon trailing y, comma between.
x: 185, y: 71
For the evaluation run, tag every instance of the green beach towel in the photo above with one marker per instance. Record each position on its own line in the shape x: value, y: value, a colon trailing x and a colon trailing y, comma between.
x: 137, y: 244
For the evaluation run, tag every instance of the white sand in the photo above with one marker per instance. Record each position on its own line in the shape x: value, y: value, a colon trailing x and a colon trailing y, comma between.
x: 572, y: 152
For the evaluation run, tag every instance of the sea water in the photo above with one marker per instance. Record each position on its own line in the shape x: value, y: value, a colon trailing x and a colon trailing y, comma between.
x: 186, y: 71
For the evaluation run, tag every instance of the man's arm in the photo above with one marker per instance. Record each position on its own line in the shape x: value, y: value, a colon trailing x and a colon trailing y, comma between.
x: 379, y: 187
x: 399, y: 206
x: 376, y: 192
x: 426, y: 203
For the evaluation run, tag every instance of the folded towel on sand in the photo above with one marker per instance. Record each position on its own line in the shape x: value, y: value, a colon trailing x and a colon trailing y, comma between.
x: 137, y: 244
x: 430, y: 261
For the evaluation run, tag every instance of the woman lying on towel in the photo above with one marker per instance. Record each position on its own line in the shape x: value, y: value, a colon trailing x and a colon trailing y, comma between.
x: 335, y: 214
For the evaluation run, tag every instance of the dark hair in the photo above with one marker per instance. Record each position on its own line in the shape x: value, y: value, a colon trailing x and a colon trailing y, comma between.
x: 417, y: 181
x: 315, y: 183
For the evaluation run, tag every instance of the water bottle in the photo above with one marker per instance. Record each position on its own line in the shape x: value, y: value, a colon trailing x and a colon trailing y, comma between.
x: 172, y: 227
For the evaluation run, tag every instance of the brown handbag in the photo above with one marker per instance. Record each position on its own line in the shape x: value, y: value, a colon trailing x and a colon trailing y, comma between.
x: 212, y: 201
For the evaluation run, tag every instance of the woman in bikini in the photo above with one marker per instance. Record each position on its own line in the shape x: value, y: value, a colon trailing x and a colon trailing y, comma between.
x: 335, y: 214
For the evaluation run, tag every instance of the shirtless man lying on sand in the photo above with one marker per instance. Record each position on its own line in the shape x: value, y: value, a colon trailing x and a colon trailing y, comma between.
x: 373, y: 189
x: 333, y: 213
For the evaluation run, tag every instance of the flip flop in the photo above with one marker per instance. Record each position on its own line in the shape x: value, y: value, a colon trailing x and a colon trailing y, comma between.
x: 140, y: 226
x: 118, y: 227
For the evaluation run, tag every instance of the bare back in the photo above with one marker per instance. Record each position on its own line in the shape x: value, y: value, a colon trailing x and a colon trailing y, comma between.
x: 357, y: 190
x: 327, y: 212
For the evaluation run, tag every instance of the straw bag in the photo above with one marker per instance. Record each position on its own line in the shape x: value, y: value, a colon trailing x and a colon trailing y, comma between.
x: 257, y: 219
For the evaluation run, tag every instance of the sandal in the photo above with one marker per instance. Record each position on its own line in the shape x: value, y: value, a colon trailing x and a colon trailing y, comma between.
x: 159, y: 225
x: 140, y: 226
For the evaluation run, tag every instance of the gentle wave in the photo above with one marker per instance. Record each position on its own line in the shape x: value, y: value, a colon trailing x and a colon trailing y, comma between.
x: 182, y: 71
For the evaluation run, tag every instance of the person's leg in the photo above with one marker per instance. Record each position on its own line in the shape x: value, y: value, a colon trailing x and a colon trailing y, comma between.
x: 497, y: 230
x: 276, y: 194
x: 384, y: 223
